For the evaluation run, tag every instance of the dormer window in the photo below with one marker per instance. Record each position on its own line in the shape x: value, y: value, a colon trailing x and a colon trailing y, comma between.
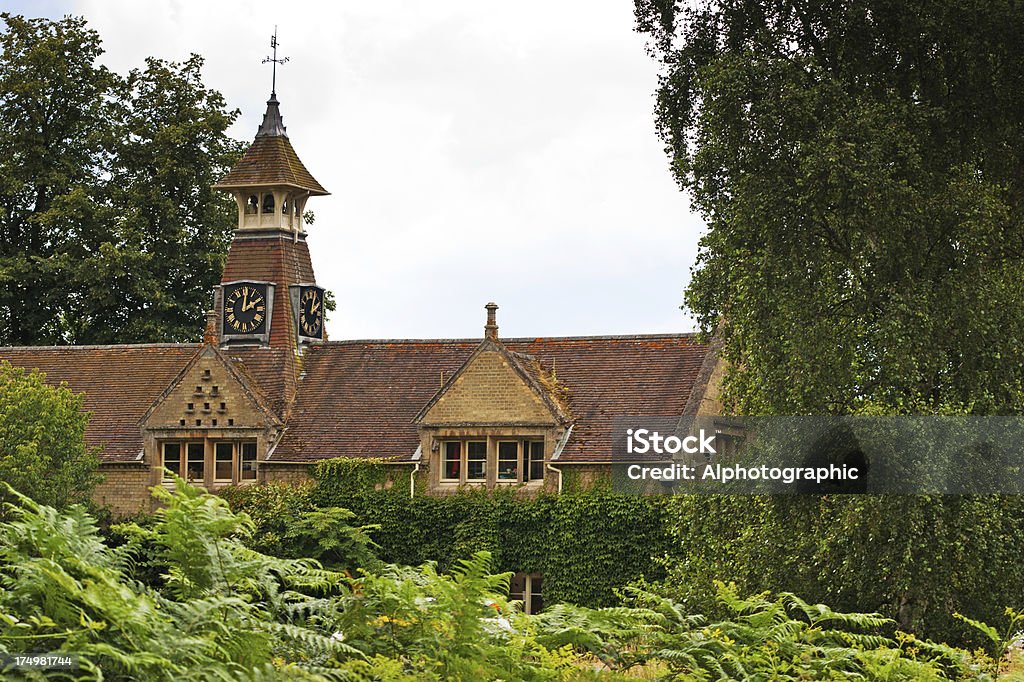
x: 492, y: 461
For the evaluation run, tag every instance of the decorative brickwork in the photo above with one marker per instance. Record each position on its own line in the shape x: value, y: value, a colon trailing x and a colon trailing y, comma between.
x: 208, y: 393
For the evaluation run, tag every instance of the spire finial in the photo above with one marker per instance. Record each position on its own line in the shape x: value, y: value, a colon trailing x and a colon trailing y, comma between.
x: 275, y: 61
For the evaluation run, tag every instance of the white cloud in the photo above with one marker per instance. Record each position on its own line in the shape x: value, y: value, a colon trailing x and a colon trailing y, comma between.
x: 475, y: 151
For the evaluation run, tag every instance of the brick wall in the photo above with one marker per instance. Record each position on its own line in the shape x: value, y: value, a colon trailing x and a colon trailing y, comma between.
x: 284, y: 473
x: 125, y: 488
x: 489, y: 390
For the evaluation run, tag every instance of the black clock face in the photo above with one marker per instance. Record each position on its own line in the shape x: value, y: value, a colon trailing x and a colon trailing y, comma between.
x: 311, y: 312
x: 245, y: 309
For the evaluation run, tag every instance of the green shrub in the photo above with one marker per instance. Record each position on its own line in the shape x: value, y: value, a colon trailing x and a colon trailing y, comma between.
x: 42, y: 439
x: 223, y: 611
x: 587, y: 544
x: 915, y: 559
x: 287, y: 524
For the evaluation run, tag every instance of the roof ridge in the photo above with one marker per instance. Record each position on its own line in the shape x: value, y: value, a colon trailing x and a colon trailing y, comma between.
x: 190, y: 344
x: 520, y: 339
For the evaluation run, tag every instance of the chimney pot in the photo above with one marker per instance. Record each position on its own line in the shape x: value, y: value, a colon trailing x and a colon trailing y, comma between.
x: 491, y: 328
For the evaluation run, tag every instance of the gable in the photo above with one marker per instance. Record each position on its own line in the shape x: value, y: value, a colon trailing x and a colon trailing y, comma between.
x: 207, y: 393
x: 488, y: 389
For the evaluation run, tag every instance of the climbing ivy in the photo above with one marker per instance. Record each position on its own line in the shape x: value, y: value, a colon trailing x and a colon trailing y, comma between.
x: 587, y: 543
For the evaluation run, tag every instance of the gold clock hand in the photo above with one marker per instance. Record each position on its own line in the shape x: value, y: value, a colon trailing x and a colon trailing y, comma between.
x: 251, y: 305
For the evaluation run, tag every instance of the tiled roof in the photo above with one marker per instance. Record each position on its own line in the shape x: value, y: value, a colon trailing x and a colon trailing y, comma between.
x: 120, y: 383
x: 271, y: 161
x: 359, y: 398
x: 271, y: 371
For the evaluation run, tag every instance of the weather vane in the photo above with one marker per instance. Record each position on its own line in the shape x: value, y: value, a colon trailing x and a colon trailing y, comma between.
x: 275, y: 61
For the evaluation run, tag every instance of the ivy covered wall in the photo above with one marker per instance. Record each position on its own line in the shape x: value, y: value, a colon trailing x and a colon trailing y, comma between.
x: 586, y: 543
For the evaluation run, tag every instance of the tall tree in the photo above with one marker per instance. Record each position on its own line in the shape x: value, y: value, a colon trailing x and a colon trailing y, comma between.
x: 52, y: 119
x: 109, y: 231
x: 164, y: 245
x: 860, y: 166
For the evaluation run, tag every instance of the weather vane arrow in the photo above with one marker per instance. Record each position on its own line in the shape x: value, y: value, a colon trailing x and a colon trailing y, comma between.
x: 275, y: 61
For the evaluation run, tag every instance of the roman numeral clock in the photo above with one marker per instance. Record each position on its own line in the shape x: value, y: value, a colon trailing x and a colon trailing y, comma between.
x: 308, y: 304
x: 247, y: 310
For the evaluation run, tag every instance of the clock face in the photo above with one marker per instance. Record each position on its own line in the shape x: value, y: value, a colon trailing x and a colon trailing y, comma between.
x: 245, y: 309
x: 311, y: 312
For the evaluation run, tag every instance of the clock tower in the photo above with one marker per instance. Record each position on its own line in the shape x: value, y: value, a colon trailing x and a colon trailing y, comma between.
x: 268, y: 295
x: 268, y: 307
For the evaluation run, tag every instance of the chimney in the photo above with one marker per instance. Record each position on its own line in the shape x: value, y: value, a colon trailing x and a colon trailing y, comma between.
x: 210, y: 336
x: 491, y: 328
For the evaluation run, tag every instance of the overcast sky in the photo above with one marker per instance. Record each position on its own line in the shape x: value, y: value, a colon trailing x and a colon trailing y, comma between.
x: 475, y: 151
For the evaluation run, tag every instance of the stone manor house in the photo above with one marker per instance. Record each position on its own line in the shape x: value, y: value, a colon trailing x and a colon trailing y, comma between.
x: 265, y: 394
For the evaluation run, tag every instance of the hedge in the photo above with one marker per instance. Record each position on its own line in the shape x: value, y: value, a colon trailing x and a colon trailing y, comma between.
x: 916, y: 559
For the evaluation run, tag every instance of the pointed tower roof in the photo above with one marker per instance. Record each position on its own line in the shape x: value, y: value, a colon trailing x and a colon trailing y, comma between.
x: 270, y: 160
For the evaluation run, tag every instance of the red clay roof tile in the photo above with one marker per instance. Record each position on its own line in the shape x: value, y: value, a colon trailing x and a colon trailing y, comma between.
x: 359, y: 398
x: 120, y: 383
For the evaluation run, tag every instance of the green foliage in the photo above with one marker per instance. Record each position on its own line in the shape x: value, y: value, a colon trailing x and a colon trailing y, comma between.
x: 781, y: 638
x: 42, y: 439
x: 916, y: 560
x: 287, y: 524
x: 859, y: 165
x: 223, y: 611
x: 587, y: 543
x: 272, y: 507
x: 109, y: 230
x: 447, y: 627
